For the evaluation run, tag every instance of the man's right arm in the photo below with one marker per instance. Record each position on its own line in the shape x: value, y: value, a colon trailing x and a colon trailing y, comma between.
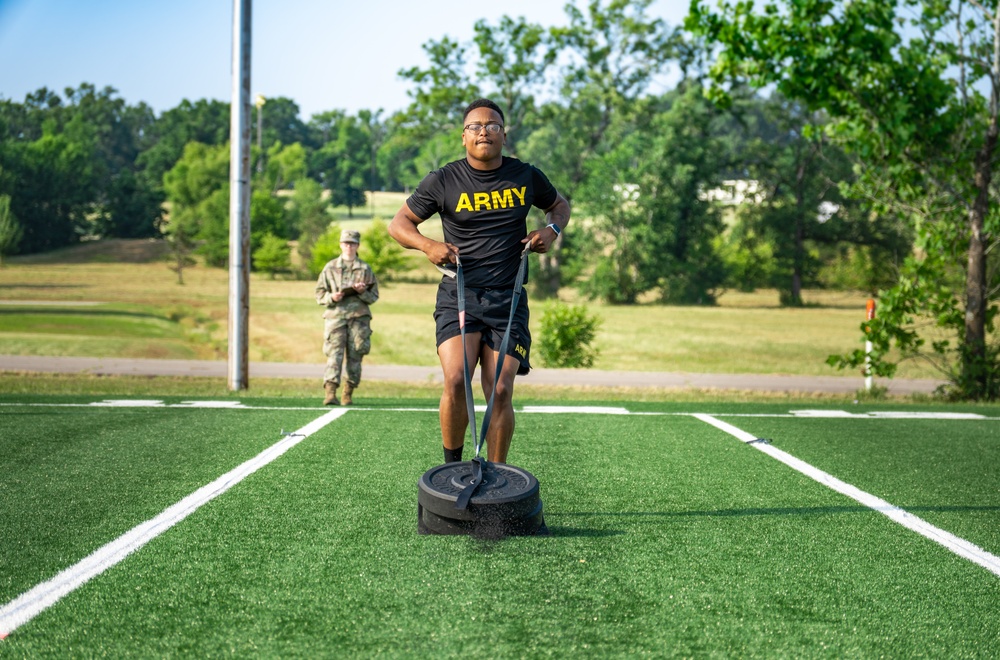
x: 322, y: 290
x: 326, y: 294
x: 403, y: 229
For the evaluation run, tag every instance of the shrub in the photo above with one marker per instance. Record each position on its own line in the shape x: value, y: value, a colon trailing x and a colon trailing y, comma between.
x: 326, y: 247
x: 381, y: 251
x: 567, y: 334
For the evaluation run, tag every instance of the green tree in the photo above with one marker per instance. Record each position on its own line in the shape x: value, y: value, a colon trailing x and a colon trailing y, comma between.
x: 688, y: 155
x: 120, y: 202
x: 134, y: 208
x: 644, y: 194
x: 792, y: 226
x: 197, y: 188
x: 612, y: 53
x: 395, y: 154
x: 329, y: 126
x: 308, y: 214
x: 267, y: 216
x: 23, y: 121
x: 51, y: 182
x: 609, y: 52
x: 345, y: 164
x: 327, y: 247
x: 180, y: 232
x: 282, y: 124
x: 124, y: 204
x: 202, y: 170
x: 427, y: 134
x: 620, y: 233
x: 204, y: 121
x: 10, y: 229
x: 323, y: 125
x: 903, y: 84
x: 213, y: 228
x: 747, y: 254
x: 285, y: 165
x: 273, y: 256
x: 793, y: 197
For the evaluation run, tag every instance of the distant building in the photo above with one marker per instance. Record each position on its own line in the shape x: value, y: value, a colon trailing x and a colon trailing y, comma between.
x: 826, y: 211
x: 734, y: 192
x: 629, y: 192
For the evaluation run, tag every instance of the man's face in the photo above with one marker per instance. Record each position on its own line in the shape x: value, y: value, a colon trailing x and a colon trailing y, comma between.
x: 483, y: 146
x: 350, y: 250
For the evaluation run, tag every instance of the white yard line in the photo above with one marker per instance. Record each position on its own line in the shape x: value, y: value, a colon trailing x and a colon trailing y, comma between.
x: 959, y: 546
x: 31, y: 603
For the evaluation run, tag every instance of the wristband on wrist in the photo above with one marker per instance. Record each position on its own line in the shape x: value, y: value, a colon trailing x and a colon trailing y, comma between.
x: 554, y: 227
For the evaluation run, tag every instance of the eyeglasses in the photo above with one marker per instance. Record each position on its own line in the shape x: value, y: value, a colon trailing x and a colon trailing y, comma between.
x: 491, y: 129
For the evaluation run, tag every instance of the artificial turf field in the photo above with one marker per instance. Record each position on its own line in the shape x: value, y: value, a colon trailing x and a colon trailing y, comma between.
x: 290, y: 530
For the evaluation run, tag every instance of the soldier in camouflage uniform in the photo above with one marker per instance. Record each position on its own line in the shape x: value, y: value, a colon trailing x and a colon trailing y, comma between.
x: 346, y: 287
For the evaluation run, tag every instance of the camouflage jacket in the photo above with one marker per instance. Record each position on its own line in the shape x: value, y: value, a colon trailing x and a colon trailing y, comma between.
x: 340, y: 275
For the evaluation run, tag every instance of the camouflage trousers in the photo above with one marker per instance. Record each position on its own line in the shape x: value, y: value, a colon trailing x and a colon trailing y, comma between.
x: 346, y: 336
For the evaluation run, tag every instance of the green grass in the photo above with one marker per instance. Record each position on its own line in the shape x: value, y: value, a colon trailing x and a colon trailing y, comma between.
x: 669, y: 536
x: 94, y: 330
x: 129, y: 300
x: 929, y: 486
x: 93, y: 473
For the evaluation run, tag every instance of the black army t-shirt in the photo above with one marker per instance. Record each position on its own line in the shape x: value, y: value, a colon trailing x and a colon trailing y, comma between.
x: 483, y: 213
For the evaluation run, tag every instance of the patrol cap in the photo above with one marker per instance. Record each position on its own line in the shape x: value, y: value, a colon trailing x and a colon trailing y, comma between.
x: 350, y: 236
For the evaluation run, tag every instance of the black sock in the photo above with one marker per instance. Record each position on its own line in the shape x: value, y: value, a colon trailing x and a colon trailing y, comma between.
x: 453, y: 455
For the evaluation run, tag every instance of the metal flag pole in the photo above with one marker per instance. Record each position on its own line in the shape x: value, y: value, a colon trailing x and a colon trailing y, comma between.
x: 239, y: 200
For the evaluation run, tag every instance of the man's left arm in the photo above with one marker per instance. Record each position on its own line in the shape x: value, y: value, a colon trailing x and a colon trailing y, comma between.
x: 556, y: 219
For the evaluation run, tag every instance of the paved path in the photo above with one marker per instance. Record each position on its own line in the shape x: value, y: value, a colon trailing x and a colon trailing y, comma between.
x: 578, y: 377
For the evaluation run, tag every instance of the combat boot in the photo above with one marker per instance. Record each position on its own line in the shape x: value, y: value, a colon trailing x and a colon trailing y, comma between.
x: 331, y: 394
x: 348, y: 391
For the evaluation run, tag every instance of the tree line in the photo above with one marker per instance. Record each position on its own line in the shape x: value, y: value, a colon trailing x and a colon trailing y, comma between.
x: 837, y: 144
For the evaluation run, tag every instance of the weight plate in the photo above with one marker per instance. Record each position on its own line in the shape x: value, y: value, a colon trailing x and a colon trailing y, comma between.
x: 488, y: 527
x: 507, y: 491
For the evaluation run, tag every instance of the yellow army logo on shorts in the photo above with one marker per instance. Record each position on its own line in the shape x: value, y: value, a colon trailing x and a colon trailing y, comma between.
x: 489, y: 201
x: 521, y: 350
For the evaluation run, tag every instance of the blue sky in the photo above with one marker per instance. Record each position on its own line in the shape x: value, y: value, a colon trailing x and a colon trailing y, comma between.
x: 323, y: 55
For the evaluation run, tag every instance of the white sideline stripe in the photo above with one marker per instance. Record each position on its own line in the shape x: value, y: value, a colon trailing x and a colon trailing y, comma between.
x: 959, y: 546
x: 583, y: 410
x: 235, y: 405
x: 33, y: 602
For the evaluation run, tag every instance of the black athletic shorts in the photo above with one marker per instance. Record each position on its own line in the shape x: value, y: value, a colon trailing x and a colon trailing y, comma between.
x: 486, y: 311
